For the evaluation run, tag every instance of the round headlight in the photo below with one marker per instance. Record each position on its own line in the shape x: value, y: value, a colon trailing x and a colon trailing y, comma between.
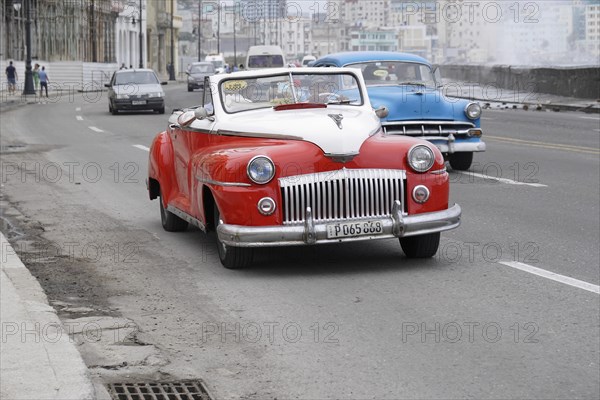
x: 420, y: 158
x: 261, y: 169
x: 473, y: 110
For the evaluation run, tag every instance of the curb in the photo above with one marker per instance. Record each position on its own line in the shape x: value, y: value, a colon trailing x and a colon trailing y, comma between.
x: 39, y: 360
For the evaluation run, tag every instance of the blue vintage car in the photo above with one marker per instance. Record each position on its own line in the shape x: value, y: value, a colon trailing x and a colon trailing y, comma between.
x: 405, y: 88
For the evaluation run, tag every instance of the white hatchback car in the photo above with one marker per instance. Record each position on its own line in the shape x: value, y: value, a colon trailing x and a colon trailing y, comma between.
x: 135, y: 89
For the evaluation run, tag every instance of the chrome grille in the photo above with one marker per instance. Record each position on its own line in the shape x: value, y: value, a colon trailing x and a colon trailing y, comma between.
x: 341, y: 194
x: 427, y: 128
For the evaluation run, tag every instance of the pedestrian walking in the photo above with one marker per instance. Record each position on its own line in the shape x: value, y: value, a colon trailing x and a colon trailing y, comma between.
x: 43, y: 81
x: 11, y: 77
x: 36, y: 77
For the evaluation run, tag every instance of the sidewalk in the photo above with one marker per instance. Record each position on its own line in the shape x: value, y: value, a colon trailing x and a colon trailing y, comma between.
x: 38, y: 359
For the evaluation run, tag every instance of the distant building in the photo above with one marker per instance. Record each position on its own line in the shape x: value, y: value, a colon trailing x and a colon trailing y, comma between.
x: 592, y: 30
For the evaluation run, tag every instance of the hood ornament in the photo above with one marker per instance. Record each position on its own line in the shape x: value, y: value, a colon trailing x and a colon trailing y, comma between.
x: 337, y: 118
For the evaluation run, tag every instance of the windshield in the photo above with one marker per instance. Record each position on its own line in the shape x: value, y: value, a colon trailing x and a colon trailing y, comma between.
x: 218, y: 63
x: 269, y: 91
x: 377, y: 73
x: 136, y: 77
x: 265, y: 61
x: 202, y: 69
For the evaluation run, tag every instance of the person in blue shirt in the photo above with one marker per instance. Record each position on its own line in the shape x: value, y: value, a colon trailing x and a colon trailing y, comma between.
x: 44, y: 81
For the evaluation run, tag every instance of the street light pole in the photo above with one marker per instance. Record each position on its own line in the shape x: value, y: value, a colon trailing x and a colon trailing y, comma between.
x: 141, y: 39
x: 28, y: 89
x: 172, y: 69
x: 200, y: 31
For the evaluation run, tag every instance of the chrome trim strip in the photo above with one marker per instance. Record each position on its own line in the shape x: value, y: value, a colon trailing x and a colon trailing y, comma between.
x: 219, y: 183
x: 439, y: 171
x: 428, y: 122
x: 185, y: 216
x: 311, y: 232
x: 257, y: 135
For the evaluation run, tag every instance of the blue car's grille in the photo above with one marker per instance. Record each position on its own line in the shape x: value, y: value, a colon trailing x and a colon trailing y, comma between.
x: 427, y: 128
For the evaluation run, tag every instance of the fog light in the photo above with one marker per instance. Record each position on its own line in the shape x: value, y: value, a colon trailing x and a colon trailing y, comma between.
x: 420, y: 194
x: 475, y: 132
x: 266, y: 206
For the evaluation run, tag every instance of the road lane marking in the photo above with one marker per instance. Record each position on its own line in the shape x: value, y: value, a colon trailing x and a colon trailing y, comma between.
x: 553, y: 146
x: 78, y: 109
x: 553, y: 276
x: 488, y: 119
x: 592, y: 118
x: 139, y: 146
x: 79, y: 118
x: 503, y: 180
x: 95, y: 129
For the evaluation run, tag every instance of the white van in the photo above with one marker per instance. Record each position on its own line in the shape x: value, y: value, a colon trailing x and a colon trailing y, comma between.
x: 265, y: 57
x: 218, y: 61
x: 307, y: 60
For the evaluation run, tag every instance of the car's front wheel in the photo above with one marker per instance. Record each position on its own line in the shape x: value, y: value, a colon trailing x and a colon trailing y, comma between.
x: 460, y: 161
x: 422, y: 246
x: 231, y: 257
x: 170, y: 221
x: 190, y: 88
x: 112, y: 109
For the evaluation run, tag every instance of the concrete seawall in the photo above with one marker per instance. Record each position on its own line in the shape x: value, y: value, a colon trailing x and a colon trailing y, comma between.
x: 581, y: 82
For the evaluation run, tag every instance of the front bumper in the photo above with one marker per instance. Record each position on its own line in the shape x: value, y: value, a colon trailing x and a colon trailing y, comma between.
x: 151, y: 104
x: 397, y: 225
x: 452, y: 144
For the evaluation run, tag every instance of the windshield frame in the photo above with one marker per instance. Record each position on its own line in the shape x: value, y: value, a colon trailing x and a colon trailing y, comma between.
x: 290, y: 75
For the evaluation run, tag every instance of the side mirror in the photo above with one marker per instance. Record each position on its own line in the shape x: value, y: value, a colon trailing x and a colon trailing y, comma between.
x: 202, y: 113
x: 107, y: 85
x: 382, y: 112
x: 186, y: 119
x: 164, y: 83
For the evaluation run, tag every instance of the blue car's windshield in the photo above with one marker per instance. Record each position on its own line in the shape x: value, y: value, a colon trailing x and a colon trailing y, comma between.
x: 378, y: 73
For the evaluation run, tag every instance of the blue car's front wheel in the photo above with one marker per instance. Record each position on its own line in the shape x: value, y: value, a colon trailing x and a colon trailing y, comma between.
x: 460, y: 161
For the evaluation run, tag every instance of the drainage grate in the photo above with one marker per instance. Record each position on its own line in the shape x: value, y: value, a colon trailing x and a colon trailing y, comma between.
x: 180, y: 390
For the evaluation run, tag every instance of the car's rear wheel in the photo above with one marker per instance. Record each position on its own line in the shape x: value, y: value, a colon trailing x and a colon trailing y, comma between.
x: 422, y: 246
x: 231, y: 257
x: 170, y: 221
x: 461, y: 161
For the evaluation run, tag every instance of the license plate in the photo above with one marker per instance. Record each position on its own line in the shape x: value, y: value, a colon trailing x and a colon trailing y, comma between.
x: 138, y: 102
x: 353, y: 229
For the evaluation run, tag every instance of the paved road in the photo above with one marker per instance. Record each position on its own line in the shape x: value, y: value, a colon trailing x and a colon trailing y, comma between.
x: 341, y: 321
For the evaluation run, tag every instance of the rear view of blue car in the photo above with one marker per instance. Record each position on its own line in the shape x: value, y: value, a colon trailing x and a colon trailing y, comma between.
x: 405, y: 90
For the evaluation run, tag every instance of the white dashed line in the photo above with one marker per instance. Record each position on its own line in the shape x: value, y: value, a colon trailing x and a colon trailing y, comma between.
x: 592, y: 118
x: 552, y: 276
x: 78, y: 109
x: 488, y: 119
x: 503, y: 180
x: 139, y: 146
x: 79, y: 118
x: 95, y: 129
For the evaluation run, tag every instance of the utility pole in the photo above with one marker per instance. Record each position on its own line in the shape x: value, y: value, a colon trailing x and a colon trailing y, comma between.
x: 28, y: 89
x: 172, y: 69
x: 200, y: 31
x: 141, y: 39
x: 219, y: 28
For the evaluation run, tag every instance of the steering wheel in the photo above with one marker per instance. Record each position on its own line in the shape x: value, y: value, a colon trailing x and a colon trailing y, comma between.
x: 326, y: 97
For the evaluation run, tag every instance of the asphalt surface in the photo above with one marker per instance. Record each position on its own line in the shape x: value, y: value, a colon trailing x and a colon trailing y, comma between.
x: 339, y: 321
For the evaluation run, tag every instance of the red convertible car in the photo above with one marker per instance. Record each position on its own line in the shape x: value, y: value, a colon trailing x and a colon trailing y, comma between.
x: 284, y: 157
